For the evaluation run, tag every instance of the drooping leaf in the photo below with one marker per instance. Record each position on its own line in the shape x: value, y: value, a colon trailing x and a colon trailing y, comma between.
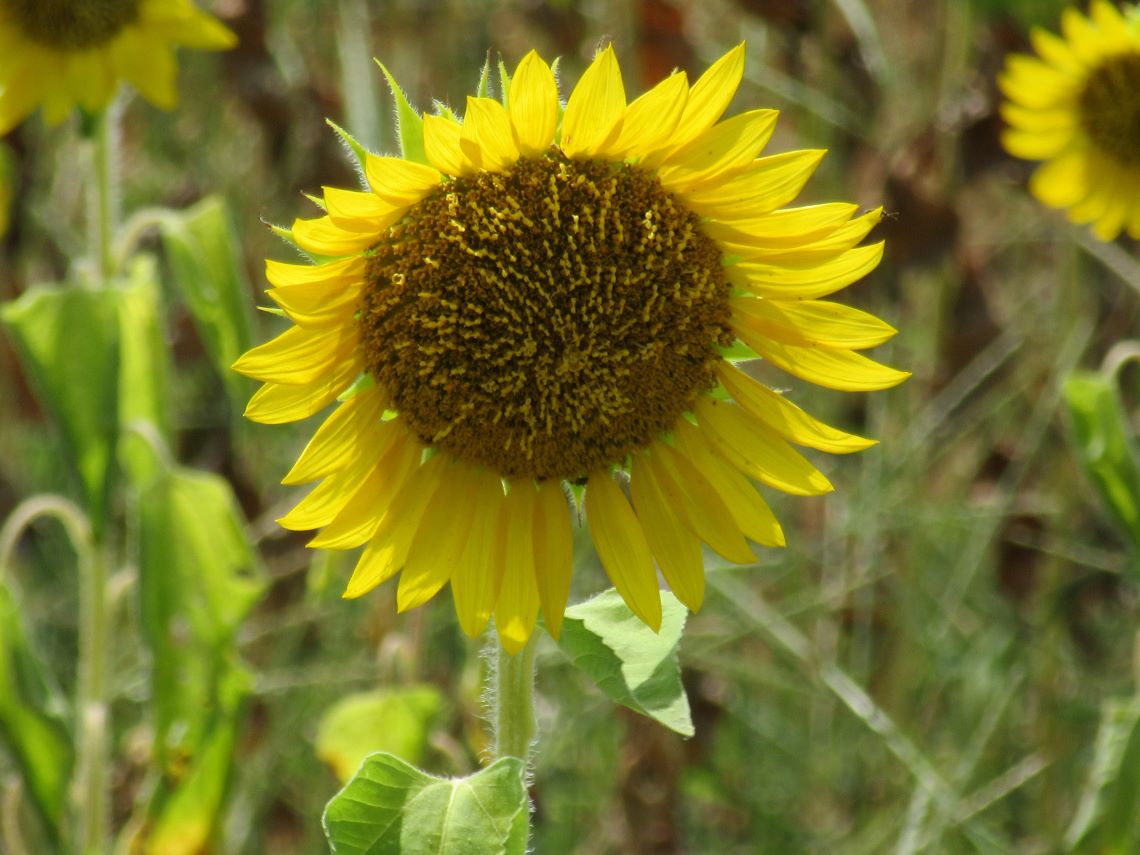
x: 144, y: 372
x: 392, y: 808
x: 629, y: 662
x: 68, y: 341
x: 396, y: 721
x: 1106, y: 449
x: 1108, y: 819
x: 198, y: 579
x: 206, y: 260
x: 31, y: 728
x: 409, y: 123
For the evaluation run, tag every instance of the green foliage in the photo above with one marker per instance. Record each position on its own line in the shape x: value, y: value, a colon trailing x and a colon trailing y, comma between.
x: 395, y: 720
x: 69, y: 345
x: 1106, y: 448
x: 197, y: 582
x: 205, y: 257
x: 630, y: 663
x: 392, y: 808
x: 1108, y: 819
x: 409, y: 123
x: 35, y: 736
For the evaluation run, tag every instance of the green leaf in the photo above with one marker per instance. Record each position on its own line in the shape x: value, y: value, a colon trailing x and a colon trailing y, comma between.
x: 198, y: 579
x: 144, y: 372
x: 68, y: 341
x: 355, y: 148
x: 1108, y: 819
x: 409, y: 123
x: 205, y: 258
x: 392, y: 808
x: 30, y: 727
x: 628, y: 661
x: 397, y: 721
x: 1102, y: 439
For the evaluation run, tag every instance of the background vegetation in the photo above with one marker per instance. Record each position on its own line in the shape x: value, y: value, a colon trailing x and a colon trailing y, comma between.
x: 925, y: 668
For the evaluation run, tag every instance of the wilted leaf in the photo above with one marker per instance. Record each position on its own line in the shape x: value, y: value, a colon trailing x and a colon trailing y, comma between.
x: 392, y: 808
x: 34, y: 735
x: 397, y: 721
x: 628, y: 661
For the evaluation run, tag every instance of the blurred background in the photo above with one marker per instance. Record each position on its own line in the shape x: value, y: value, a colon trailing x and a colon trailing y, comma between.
x: 923, y: 669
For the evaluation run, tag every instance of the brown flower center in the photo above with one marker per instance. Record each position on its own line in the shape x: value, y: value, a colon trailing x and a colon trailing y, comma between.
x: 548, y: 320
x: 71, y: 24
x: 1110, y: 108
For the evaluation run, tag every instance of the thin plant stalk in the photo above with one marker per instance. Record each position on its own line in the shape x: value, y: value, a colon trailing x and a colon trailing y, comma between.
x: 103, y: 191
x: 512, y: 694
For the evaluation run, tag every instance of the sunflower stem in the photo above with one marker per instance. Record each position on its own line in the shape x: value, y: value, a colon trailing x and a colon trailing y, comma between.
x: 104, y: 192
x: 512, y: 692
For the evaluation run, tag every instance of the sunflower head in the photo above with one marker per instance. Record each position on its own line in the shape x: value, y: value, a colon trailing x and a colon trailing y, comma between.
x: 1076, y: 106
x: 551, y: 294
x: 63, y: 53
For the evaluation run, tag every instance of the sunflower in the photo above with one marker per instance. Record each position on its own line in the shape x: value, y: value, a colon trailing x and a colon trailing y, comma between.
x: 541, y: 296
x: 1077, y: 108
x: 60, y: 53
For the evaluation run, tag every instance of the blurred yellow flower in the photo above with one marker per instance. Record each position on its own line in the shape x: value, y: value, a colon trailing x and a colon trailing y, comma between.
x: 62, y: 53
x: 1077, y: 107
x: 549, y: 295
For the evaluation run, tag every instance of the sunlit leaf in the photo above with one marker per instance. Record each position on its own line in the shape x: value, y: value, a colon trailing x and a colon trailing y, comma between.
x: 30, y: 728
x: 206, y: 260
x: 68, y: 340
x: 629, y: 662
x: 1106, y: 449
x: 392, y: 808
x: 410, y: 124
x: 396, y: 721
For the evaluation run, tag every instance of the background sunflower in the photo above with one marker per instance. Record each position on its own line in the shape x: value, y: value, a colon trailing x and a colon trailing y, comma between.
x: 926, y: 665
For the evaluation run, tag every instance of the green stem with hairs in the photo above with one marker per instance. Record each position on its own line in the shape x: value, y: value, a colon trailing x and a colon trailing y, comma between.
x: 512, y: 693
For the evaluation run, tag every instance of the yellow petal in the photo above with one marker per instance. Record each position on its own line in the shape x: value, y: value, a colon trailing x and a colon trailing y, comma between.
x: 622, y: 547
x: 595, y: 109
x: 517, y: 607
x: 650, y: 121
x: 148, y: 65
x: 398, y: 181
x: 487, y: 138
x: 440, y: 538
x: 357, y: 521
x: 479, y: 571
x: 1037, y: 144
x: 441, y: 145
x: 553, y: 553
x: 1061, y: 182
x: 275, y: 404
x: 285, y: 276
x: 784, y: 417
x: 820, y: 249
x: 719, y: 153
x: 299, y: 356
x: 326, y: 500
x: 1055, y: 50
x: 757, y: 450
x: 321, y: 236
x: 807, y: 322
x: 320, y: 306
x: 831, y: 367
x: 787, y: 228
x: 677, y: 550
x: 769, y: 183
x: 748, y: 509
x: 698, y: 504
x: 711, y: 95
x: 808, y: 282
x: 387, y: 552
x: 358, y: 211
x: 353, y: 427
x: 533, y: 107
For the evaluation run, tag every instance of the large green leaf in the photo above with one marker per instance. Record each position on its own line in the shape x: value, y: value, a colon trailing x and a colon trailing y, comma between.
x: 1103, y: 441
x: 206, y: 260
x: 30, y: 727
x: 198, y: 579
x: 632, y: 664
x: 1108, y: 819
x: 392, y: 808
x: 395, y: 720
x: 68, y: 340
